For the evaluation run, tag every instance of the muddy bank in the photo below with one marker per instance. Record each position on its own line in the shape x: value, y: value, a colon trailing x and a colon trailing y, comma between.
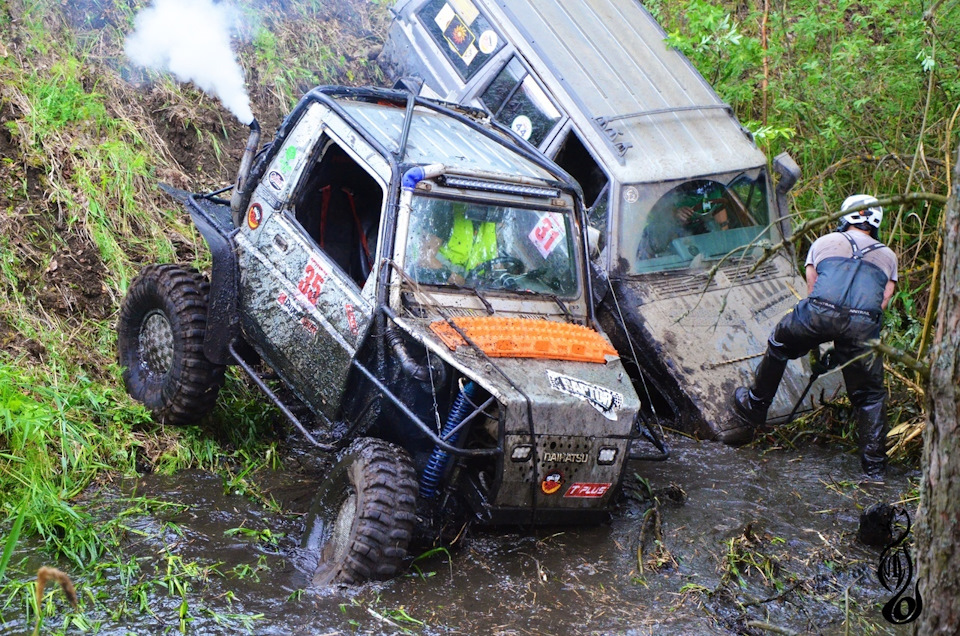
x: 764, y: 536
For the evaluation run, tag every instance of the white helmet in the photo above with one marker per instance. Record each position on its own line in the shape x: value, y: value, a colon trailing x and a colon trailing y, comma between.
x: 872, y: 215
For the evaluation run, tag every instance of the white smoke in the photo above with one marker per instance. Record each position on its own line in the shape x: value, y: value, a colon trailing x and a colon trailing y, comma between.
x: 191, y: 40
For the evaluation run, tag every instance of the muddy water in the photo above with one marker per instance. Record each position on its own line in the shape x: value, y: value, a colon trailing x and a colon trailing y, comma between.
x: 794, y: 511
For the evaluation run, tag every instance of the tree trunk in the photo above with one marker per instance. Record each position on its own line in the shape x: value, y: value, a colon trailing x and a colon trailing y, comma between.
x: 938, y: 531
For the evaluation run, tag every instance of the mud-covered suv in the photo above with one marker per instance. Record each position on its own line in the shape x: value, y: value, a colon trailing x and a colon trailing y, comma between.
x: 419, y: 283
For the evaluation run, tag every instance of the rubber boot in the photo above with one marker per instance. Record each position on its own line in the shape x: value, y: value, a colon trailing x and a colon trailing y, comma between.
x: 752, y: 404
x: 872, y: 434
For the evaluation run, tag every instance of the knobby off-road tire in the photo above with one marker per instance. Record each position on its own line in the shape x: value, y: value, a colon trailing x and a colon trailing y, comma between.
x: 364, y: 515
x: 160, y: 344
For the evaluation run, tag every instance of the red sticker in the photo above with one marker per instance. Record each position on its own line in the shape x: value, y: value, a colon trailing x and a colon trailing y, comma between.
x: 309, y: 325
x: 352, y: 319
x: 548, y: 233
x: 311, y: 283
x: 551, y: 483
x: 254, y: 216
x: 590, y: 491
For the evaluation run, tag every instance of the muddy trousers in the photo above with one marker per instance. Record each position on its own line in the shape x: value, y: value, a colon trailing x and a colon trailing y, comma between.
x: 806, y: 327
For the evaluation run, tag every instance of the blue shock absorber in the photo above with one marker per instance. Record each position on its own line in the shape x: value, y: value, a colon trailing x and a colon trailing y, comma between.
x: 439, y: 459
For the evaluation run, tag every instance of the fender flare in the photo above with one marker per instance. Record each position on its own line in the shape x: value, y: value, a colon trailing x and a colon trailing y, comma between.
x: 223, y: 315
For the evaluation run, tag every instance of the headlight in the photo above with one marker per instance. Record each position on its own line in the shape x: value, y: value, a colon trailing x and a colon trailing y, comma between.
x: 607, y: 455
x: 521, y: 453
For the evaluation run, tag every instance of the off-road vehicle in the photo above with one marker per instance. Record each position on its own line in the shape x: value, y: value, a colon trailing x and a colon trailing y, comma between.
x: 420, y: 284
x: 671, y: 179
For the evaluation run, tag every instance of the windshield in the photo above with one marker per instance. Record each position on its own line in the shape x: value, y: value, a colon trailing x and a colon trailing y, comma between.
x: 673, y: 226
x: 491, y: 247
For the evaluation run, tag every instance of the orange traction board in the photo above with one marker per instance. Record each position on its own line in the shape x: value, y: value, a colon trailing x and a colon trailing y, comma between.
x: 526, y: 338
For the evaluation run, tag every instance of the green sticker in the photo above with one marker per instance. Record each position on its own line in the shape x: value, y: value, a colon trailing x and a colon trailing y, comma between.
x: 286, y: 162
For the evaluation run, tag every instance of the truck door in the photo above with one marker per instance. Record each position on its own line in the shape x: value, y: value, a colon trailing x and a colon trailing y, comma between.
x: 307, y: 248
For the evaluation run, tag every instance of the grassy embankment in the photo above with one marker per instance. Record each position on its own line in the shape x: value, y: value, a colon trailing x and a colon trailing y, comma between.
x: 84, y: 142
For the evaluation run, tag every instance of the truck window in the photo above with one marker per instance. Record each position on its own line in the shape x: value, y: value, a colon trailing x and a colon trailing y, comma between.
x: 574, y: 157
x: 491, y: 247
x: 462, y: 33
x: 694, y: 221
x: 517, y: 101
x: 339, y: 206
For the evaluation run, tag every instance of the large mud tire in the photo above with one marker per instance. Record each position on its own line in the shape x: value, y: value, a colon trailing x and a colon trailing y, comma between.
x: 160, y: 333
x: 364, y: 515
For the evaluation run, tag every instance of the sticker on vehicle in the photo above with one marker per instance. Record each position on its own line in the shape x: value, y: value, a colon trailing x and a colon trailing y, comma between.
x: 352, y: 319
x: 289, y: 307
x: 286, y: 161
x: 457, y: 34
x: 311, y: 283
x: 551, y: 483
x: 309, y: 325
x: 607, y: 402
x: 587, y: 491
x: 522, y: 126
x: 487, y: 42
x: 631, y: 194
x: 548, y: 233
x: 276, y: 180
x: 254, y: 216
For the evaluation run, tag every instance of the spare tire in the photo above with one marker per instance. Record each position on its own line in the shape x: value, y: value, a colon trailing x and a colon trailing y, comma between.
x: 364, y: 514
x: 160, y: 334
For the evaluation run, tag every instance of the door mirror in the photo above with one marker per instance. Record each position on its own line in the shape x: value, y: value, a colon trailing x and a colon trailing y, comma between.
x: 789, y: 171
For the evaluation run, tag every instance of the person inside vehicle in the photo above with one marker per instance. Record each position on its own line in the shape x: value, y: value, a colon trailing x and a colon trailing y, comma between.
x: 850, y: 279
x: 453, y: 246
x: 693, y: 208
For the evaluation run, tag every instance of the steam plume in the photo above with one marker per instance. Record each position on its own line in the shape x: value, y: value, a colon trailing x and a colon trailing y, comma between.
x: 191, y: 40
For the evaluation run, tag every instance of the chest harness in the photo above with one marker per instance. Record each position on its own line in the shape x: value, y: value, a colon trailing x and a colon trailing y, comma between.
x: 851, y: 284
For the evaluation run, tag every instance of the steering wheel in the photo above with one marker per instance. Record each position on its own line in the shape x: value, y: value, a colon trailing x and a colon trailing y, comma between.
x: 511, y: 264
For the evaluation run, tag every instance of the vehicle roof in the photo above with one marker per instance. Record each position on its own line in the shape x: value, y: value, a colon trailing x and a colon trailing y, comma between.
x: 610, y: 58
x: 438, y: 138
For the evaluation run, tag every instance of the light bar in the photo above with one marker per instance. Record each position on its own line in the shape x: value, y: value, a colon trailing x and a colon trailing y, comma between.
x: 505, y: 188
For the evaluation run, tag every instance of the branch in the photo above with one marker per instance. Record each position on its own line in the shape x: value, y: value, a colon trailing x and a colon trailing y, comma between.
x: 902, y: 357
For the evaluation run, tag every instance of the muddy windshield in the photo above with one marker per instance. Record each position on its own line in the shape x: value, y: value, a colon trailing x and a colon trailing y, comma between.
x: 491, y: 247
x: 673, y: 226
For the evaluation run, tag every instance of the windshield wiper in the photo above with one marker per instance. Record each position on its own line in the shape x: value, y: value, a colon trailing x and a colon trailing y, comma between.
x: 562, y: 305
x: 476, y: 292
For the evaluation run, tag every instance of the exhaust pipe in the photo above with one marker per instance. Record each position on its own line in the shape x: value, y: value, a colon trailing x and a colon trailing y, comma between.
x: 240, y: 187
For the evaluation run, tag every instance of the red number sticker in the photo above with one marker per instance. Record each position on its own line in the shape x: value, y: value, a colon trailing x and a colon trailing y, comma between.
x: 311, y: 283
x: 548, y: 233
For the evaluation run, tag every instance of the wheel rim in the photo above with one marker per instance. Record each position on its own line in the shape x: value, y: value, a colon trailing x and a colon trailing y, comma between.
x: 156, y: 343
x: 340, y: 532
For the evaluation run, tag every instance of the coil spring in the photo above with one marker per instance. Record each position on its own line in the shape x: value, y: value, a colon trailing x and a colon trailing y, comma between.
x: 437, y: 464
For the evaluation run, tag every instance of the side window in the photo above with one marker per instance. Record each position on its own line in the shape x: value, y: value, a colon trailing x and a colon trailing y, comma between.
x: 462, y: 33
x: 517, y: 101
x: 574, y: 157
x: 339, y: 207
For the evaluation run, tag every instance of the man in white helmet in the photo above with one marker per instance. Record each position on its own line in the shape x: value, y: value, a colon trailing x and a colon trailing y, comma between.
x: 850, y: 280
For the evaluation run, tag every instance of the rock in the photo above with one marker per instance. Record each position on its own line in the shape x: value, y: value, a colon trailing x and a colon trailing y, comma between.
x: 875, y: 524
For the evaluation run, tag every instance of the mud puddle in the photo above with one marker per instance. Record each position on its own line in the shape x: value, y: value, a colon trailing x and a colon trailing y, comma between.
x: 763, y: 539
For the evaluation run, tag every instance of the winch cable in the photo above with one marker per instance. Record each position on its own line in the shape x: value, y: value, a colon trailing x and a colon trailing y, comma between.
x: 821, y: 364
x: 647, y: 431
